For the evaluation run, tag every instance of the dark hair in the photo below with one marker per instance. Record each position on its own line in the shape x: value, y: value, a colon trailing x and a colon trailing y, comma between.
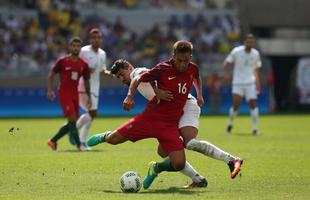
x: 182, y: 46
x: 75, y: 39
x: 119, y: 64
x: 249, y: 36
x: 94, y: 31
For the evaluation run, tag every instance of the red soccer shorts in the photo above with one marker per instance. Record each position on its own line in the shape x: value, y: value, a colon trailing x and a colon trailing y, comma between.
x: 69, y: 104
x: 144, y: 126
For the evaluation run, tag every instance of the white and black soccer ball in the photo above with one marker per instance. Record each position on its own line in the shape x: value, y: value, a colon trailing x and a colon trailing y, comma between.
x: 130, y: 182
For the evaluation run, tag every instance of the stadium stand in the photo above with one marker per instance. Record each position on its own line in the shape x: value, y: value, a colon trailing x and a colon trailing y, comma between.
x: 140, y: 31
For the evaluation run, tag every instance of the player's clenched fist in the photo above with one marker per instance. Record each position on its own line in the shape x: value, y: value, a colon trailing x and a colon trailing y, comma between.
x: 50, y: 95
x: 128, y: 103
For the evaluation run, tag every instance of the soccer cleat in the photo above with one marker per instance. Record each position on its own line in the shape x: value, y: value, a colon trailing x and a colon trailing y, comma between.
x: 228, y: 129
x: 52, y: 144
x: 95, y: 140
x: 84, y: 147
x: 202, y: 184
x: 255, y: 132
x: 151, y: 175
x: 235, y: 167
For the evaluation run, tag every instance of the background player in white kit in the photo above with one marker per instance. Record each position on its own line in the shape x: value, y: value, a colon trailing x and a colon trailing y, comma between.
x: 188, y: 124
x: 96, y: 59
x: 246, y: 81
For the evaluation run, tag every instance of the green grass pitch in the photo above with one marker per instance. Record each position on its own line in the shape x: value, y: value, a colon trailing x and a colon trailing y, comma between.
x: 277, y: 162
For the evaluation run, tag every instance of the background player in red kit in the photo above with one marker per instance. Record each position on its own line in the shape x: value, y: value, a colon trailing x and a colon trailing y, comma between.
x: 176, y: 75
x: 70, y: 68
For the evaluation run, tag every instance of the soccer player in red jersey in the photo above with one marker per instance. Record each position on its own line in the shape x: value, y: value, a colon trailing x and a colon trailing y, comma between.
x: 70, y: 68
x: 176, y: 75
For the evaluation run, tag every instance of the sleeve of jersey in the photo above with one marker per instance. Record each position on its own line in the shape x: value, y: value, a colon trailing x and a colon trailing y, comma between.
x: 196, y: 72
x: 83, y: 55
x: 230, y: 57
x: 152, y: 74
x: 57, y: 67
x: 104, y: 63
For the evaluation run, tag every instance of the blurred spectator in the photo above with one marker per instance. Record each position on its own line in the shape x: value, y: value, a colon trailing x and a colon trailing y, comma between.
x: 214, y: 85
x: 38, y: 41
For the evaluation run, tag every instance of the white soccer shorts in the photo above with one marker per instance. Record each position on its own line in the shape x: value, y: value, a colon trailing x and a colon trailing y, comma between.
x: 245, y: 90
x: 191, y: 114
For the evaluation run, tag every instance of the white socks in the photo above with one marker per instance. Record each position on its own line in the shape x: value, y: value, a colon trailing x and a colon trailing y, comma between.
x: 84, y: 123
x: 254, y: 115
x: 209, y: 149
x: 232, y: 115
x: 191, y: 173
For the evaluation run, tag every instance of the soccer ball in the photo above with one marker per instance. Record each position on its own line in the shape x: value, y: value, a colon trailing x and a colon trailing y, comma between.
x: 130, y: 182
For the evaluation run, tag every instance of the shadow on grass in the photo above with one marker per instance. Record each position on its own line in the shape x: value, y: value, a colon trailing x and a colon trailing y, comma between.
x: 170, y: 190
x: 244, y: 134
x: 78, y: 151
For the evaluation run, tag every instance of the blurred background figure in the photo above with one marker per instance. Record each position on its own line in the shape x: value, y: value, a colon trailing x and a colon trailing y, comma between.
x: 70, y: 69
x: 143, y: 32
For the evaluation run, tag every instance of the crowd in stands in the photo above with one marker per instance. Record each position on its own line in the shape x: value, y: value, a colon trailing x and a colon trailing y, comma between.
x: 173, y: 4
x: 136, y: 4
x: 29, y: 46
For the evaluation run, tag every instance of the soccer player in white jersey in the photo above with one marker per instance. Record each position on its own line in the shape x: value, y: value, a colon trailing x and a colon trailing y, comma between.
x: 96, y: 59
x: 188, y: 124
x: 245, y: 81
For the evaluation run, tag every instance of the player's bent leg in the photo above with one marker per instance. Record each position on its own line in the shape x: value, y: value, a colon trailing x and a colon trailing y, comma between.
x: 198, y: 181
x: 84, y: 119
x: 189, y: 171
x: 93, y: 113
x: 73, y: 132
x: 254, y: 115
x: 235, y: 167
x: 111, y: 137
x: 233, y: 111
x: 98, y: 138
x: 175, y: 162
x: 161, y: 152
x: 188, y: 133
x: 209, y: 150
x: 177, y: 159
x: 84, y: 124
x: 52, y: 145
x: 115, y: 138
x: 151, y: 175
x: 236, y: 101
x: 203, y: 183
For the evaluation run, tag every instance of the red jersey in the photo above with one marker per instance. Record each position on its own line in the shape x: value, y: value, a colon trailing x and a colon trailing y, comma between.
x: 70, y: 72
x: 178, y: 83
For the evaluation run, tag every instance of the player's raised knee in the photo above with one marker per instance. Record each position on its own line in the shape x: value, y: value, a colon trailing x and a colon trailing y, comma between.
x: 178, y: 166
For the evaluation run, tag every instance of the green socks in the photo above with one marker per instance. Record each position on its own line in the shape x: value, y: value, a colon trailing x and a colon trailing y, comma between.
x: 165, y: 165
x: 62, y: 131
x: 74, y: 133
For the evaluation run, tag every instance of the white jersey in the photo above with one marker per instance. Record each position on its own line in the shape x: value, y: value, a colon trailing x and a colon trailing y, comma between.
x: 244, y: 64
x: 145, y: 88
x: 97, y: 63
